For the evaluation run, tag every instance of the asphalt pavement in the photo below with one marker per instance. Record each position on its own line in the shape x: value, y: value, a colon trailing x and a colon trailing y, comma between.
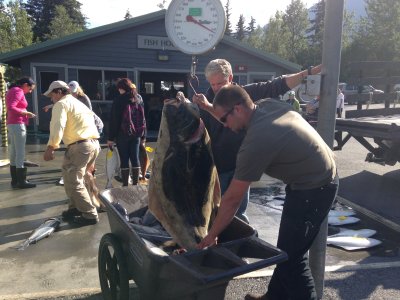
x: 64, y: 266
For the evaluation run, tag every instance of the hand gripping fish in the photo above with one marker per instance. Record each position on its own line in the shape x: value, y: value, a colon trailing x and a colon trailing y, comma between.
x: 184, y: 191
x: 43, y: 231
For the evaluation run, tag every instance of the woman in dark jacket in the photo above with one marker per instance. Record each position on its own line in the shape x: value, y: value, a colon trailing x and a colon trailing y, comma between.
x: 127, y: 128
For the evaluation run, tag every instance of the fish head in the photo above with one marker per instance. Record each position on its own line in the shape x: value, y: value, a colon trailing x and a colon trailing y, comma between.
x: 183, y: 118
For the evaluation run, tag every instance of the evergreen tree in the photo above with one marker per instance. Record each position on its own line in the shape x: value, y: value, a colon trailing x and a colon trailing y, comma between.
x: 42, y: 13
x: 240, y: 30
x: 252, y: 26
x: 255, y: 39
x: 127, y: 15
x: 228, y: 27
x: 15, y: 27
x: 62, y: 24
x: 162, y: 5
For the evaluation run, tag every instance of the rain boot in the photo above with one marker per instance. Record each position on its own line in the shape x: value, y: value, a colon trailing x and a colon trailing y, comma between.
x: 135, y: 175
x: 21, y: 179
x: 125, y: 176
x: 13, y: 172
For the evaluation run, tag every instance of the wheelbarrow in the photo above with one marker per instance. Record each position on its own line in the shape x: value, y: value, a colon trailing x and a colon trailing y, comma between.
x: 125, y: 256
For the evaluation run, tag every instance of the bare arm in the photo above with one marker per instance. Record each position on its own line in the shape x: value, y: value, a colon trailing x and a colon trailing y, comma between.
x: 204, y: 104
x: 293, y: 80
x: 229, y: 205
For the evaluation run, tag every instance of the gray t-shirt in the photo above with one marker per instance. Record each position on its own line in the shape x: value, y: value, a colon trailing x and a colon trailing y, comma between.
x: 280, y: 143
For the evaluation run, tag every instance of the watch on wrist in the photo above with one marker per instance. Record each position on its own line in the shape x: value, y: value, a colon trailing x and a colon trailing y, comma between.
x: 309, y: 70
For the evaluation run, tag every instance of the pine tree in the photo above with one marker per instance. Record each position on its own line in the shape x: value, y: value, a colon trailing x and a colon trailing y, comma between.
x: 228, y: 27
x: 62, y: 24
x: 127, y: 15
x: 42, y: 13
x: 240, y: 30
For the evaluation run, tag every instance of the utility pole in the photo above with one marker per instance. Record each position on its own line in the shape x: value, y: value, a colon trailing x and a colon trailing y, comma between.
x: 327, y: 117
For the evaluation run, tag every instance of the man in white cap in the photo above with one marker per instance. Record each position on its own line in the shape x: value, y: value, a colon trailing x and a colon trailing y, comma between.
x: 72, y: 122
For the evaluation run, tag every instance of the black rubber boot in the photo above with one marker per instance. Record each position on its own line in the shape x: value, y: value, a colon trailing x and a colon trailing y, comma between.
x: 125, y: 176
x: 13, y: 172
x: 21, y: 178
x: 135, y: 176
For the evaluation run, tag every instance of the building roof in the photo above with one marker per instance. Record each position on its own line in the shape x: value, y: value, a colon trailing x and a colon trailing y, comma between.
x: 13, y: 57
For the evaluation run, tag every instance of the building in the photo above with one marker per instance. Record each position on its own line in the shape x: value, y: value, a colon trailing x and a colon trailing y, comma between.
x: 136, y: 48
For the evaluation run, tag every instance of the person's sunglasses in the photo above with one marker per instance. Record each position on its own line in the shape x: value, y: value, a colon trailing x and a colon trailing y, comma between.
x: 225, y: 116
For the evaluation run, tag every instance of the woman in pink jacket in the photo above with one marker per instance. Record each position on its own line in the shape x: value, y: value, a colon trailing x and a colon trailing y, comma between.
x: 17, y: 119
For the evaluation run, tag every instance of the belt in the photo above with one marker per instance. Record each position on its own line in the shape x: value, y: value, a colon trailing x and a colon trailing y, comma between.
x: 81, y: 141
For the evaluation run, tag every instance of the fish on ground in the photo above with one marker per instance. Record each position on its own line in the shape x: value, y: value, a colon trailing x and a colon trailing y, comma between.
x: 184, y: 191
x: 352, y: 242
x: 43, y: 231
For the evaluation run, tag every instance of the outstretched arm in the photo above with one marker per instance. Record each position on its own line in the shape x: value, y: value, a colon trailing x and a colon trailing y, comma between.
x: 293, y: 80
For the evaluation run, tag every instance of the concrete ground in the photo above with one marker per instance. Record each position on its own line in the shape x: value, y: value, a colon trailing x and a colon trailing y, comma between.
x: 64, y: 266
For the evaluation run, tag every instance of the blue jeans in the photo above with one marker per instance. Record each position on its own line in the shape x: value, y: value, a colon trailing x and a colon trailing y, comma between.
x: 302, y: 216
x: 224, y: 180
x: 17, y: 141
x: 128, y: 150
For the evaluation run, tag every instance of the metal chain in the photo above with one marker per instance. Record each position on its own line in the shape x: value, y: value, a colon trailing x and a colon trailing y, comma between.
x: 193, y: 74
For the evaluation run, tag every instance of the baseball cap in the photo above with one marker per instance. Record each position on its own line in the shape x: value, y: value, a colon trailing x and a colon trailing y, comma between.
x: 73, y: 86
x: 56, y: 85
x: 291, y: 93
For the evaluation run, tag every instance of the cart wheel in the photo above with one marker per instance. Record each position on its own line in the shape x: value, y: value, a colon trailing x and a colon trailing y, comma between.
x: 113, y: 272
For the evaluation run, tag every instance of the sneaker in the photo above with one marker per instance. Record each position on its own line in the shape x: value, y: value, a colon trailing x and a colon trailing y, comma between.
x: 84, y: 221
x: 70, y: 213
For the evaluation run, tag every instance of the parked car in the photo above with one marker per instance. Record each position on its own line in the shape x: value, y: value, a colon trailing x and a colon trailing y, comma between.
x: 349, y: 92
x: 365, y: 89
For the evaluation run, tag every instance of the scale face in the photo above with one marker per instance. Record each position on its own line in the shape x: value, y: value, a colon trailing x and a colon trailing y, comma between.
x: 195, y: 26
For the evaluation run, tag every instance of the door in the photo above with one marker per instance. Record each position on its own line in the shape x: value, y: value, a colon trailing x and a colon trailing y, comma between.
x: 154, y: 88
x: 44, y: 76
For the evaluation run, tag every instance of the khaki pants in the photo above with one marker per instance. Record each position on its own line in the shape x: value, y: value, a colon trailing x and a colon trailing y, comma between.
x: 79, y: 160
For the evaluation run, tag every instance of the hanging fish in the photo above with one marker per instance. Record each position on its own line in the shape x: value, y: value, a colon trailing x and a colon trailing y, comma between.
x: 43, y: 231
x: 184, y: 190
x: 112, y: 165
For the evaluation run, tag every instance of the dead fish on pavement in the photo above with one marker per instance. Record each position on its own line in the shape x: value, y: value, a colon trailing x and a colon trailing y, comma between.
x: 43, y: 231
x: 112, y: 165
x: 184, y: 190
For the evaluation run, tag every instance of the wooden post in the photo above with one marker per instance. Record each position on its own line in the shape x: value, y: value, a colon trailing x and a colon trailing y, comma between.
x: 4, y: 138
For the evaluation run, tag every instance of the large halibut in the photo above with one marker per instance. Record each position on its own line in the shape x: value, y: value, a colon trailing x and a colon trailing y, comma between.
x: 184, y: 191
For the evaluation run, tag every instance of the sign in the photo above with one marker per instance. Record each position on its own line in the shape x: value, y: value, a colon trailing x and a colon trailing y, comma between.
x: 241, y: 68
x: 155, y: 42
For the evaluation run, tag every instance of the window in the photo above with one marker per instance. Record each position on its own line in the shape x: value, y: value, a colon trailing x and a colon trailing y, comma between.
x: 110, y: 81
x: 93, y: 85
x: 46, y: 78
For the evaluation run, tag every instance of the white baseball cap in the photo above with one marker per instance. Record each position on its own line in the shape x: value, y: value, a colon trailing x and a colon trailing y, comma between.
x: 73, y: 86
x: 56, y: 85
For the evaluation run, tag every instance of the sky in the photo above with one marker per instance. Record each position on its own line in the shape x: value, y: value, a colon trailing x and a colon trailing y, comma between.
x: 102, y: 12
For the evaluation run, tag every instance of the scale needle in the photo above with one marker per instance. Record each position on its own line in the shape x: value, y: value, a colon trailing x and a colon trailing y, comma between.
x: 193, y: 20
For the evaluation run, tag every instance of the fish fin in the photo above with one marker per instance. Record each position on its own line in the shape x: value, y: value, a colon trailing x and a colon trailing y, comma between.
x: 23, y: 245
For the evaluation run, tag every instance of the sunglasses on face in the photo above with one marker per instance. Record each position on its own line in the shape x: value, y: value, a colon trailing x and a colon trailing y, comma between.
x: 225, y: 116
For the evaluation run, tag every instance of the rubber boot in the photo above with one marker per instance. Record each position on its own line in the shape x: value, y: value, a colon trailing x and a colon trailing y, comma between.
x: 125, y: 176
x: 135, y: 175
x: 13, y: 172
x: 21, y: 178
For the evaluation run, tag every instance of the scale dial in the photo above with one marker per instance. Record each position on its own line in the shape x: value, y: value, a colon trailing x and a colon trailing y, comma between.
x: 195, y: 26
